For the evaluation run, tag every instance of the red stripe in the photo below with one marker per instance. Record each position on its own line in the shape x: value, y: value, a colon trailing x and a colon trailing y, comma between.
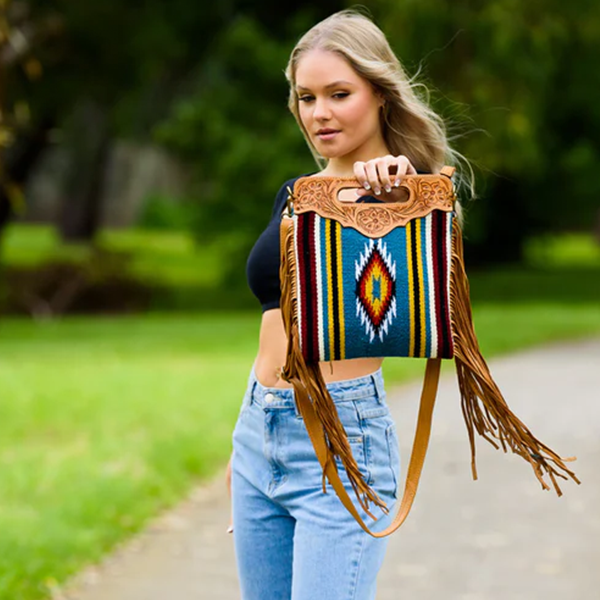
x: 301, y: 266
x: 313, y: 324
x: 447, y: 348
x: 448, y: 247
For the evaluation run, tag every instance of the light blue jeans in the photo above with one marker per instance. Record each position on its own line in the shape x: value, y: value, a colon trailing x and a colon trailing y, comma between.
x: 292, y: 541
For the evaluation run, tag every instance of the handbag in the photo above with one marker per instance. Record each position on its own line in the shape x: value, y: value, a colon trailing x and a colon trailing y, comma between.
x: 361, y: 279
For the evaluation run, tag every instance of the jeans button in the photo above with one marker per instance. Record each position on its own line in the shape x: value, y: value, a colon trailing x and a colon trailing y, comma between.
x: 269, y: 398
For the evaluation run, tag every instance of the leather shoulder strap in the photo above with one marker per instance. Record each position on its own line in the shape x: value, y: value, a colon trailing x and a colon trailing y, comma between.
x: 419, y: 450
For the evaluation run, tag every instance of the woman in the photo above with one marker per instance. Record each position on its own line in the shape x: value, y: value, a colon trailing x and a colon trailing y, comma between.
x: 361, y: 117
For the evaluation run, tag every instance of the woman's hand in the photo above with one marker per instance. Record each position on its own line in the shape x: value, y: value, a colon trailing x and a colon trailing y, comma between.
x: 381, y: 176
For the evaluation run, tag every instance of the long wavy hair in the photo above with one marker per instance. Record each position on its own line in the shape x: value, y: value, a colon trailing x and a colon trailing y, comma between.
x: 409, y: 126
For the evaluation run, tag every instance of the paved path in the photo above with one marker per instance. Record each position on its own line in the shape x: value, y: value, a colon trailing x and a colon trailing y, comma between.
x: 500, y: 538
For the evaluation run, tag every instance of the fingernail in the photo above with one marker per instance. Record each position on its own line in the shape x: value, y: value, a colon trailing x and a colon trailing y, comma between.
x: 388, y: 188
x: 397, y: 183
x: 230, y: 529
x: 377, y: 191
x: 367, y: 186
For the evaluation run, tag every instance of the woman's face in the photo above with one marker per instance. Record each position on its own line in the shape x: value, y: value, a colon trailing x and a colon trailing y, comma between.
x: 338, y: 108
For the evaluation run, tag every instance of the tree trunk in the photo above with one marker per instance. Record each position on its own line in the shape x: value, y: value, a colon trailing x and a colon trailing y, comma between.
x: 18, y: 160
x: 88, y: 141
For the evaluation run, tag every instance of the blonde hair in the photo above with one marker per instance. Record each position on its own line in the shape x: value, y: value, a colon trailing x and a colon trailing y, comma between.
x: 409, y: 126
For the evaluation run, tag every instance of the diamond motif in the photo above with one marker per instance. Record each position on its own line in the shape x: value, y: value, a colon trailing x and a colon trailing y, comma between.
x: 375, y: 273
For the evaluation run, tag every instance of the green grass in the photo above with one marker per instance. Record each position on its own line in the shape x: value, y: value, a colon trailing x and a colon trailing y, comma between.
x: 102, y: 423
x: 106, y: 421
x: 172, y: 258
x: 569, y: 249
x: 159, y: 257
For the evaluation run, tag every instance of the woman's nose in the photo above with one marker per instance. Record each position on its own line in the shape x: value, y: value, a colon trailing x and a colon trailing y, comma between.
x: 322, y: 110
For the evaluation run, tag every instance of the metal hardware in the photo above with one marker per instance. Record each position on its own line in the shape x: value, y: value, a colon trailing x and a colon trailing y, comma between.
x: 289, y: 203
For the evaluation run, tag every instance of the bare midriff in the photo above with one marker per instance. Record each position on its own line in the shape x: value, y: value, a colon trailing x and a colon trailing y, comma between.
x: 272, y: 347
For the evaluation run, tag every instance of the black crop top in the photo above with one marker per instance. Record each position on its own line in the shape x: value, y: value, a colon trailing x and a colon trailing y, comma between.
x: 262, y: 267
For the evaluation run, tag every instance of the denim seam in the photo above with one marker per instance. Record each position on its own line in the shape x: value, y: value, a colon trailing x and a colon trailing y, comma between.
x: 361, y: 549
x: 366, y: 443
x: 388, y: 437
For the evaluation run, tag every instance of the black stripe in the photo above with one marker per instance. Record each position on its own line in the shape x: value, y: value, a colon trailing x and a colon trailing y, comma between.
x: 416, y: 286
x: 337, y: 342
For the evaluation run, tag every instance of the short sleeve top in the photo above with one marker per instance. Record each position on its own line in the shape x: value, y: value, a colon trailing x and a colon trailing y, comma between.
x: 262, y: 267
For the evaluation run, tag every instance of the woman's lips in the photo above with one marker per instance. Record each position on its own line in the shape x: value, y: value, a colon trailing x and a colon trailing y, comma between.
x: 328, y: 135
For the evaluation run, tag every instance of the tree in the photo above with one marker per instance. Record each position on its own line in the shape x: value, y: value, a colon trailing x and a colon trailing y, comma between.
x: 21, y: 139
x: 525, y: 74
x: 234, y: 126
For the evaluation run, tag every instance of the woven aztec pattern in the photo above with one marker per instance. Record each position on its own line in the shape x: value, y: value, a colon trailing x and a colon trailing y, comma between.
x: 391, y: 292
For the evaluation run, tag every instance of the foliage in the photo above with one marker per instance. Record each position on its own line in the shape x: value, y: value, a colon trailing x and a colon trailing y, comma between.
x: 123, y: 271
x: 512, y: 80
x: 234, y: 127
x: 163, y: 212
x: 516, y: 81
x: 138, y: 269
x: 524, y: 75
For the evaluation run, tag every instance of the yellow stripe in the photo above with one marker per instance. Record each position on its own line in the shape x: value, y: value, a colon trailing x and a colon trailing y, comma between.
x: 421, y: 284
x: 411, y: 291
x: 329, y: 286
x: 338, y: 233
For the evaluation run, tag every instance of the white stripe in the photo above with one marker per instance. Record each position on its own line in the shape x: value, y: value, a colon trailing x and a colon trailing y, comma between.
x: 319, y: 274
x: 430, y: 273
x: 448, y: 255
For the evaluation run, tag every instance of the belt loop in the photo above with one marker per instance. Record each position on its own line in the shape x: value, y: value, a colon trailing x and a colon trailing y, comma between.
x: 296, y: 409
x: 377, y: 380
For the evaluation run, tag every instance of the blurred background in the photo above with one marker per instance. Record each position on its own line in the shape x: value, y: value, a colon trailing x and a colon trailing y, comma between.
x: 141, y: 147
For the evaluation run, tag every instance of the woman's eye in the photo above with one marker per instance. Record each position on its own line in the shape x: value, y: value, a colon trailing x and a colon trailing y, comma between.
x: 338, y: 95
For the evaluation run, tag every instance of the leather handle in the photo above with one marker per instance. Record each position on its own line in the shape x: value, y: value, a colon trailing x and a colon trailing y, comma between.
x: 419, y: 450
x: 407, y: 182
x: 426, y: 193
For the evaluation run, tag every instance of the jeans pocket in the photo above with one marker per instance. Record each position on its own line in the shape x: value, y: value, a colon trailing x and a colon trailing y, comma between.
x: 357, y: 445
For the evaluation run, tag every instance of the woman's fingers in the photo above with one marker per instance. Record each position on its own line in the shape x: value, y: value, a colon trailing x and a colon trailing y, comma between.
x: 380, y: 176
x: 403, y: 166
x: 383, y: 172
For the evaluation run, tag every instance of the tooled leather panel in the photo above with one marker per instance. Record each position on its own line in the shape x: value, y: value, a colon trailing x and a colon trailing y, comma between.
x: 426, y: 193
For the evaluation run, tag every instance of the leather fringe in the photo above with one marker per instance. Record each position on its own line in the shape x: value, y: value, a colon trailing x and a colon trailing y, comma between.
x: 310, y: 386
x: 483, y: 405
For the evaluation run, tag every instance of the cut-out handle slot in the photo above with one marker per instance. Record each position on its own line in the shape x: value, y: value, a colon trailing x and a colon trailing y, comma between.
x: 399, y: 195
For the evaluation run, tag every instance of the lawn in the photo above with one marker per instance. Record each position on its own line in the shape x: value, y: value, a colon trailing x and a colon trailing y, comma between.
x: 159, y: 257
x: 106, y: 421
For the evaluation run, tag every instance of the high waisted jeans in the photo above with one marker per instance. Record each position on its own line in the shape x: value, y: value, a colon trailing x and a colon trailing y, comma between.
x: 292, y: 541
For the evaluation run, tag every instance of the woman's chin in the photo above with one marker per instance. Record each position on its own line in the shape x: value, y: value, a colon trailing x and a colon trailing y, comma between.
x: 330, y: 153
